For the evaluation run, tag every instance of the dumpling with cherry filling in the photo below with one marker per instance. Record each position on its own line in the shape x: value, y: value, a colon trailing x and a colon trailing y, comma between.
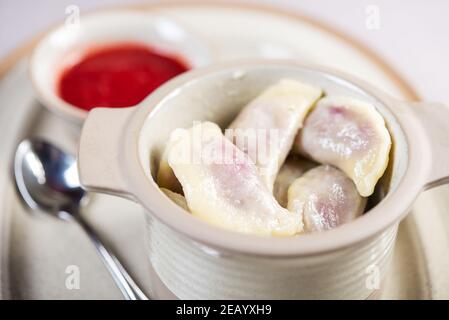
x: 293, y: 168
x: 325, y: 197
x: 266, y: 127
x: 349, y: 134
x: 222, y: 185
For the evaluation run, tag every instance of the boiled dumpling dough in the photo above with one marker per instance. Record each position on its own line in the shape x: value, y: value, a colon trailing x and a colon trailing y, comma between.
x: 176, y: 198
x: 293, y: 168
x: 165, y: 175
x: 266, y: 128
x: 349, y: 134
x: 222, y: 185
x: 326, y: 198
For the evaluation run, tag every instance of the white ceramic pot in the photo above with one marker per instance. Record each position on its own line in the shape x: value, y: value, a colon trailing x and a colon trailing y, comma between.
x: 119, y: 152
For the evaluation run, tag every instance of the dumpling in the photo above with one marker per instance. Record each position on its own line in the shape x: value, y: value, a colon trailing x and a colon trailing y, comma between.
x: 293, y: 167
x: 176, y: 198
x: 266, y: 128
x: 349, y: 134
x: 325, y: 197
x: 222, y: 185
x: 165, y: 175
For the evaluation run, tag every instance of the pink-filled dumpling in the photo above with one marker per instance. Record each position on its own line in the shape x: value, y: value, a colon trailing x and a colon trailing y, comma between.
x: 325, y: 197
x: 222, y: 185
x: 349, y: 134
x: 293, y: 168
x: 266, y: 127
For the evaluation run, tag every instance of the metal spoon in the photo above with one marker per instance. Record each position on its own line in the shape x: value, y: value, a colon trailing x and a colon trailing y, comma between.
x: 47, y: 179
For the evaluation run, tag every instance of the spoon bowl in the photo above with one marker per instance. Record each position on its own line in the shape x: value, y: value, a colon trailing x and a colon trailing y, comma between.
x: 47, y: 178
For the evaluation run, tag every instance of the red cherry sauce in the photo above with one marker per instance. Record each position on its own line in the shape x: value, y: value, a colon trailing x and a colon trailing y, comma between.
x: 117, y: 76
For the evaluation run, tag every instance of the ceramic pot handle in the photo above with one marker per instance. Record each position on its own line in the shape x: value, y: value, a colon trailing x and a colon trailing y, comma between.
x: 99, y: 151
x: 435, y: 119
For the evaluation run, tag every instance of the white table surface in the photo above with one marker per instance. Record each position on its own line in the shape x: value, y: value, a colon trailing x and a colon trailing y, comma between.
x: 413, y: 35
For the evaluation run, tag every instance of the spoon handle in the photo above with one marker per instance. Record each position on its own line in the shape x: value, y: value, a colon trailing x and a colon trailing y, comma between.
x: 123, y: 280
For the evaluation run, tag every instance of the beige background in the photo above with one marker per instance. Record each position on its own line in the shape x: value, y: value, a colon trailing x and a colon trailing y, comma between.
x: 412, y: 35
